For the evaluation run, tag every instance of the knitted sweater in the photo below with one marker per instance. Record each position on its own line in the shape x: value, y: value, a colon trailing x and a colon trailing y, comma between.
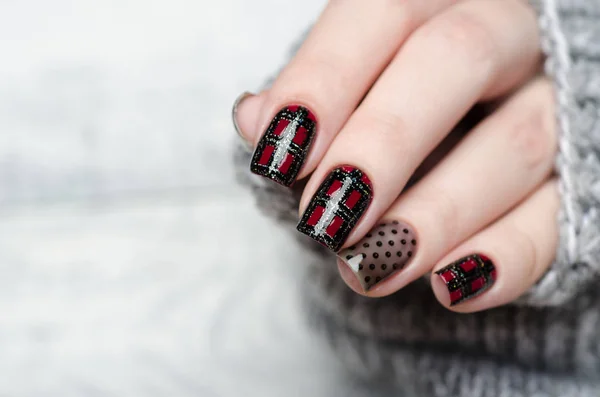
x: 547, y: 343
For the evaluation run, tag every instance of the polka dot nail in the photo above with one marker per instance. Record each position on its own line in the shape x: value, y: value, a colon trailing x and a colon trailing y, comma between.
x: 386, y: 249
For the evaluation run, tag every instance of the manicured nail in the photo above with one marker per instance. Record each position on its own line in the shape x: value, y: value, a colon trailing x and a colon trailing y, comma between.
x: 284, y: 146
x: 385, y: 250
x: 468, y: 277
x: 337, y: 206
x: 234, y: 111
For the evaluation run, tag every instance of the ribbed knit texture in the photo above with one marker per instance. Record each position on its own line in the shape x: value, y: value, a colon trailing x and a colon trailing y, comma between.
x: 548, y: 344
x: 571, y: 40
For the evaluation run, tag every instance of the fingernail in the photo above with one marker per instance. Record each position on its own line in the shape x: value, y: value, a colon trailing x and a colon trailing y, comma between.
x: 281, y: 151
x: 234, y: 113
x: 468, y: 277
x: 385, y: 250
x: 334, y: 210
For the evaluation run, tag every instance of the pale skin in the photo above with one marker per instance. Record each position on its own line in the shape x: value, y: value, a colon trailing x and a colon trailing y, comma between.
x: 389, y: 79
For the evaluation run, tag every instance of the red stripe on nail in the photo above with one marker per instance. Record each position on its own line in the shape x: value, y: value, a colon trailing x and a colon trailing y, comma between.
x: 300, y: 136
x: 477, y: 284
x: 285, y: 166
x: 353, y: 199
x: 334, y: 226
x: 266, y: 155
x: 455, y: 295
x: 468, y: 265
x: 280, y: 127
x: 315, y: 216
x: 366, y: 180
x: 335, y: 186
x: 447, y: 276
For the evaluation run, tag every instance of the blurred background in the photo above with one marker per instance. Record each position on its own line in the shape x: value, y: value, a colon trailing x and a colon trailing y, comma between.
x: 131, y: 263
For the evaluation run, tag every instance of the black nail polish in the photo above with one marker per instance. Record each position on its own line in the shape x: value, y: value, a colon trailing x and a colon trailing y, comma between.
x: 337, y: 206
x: 282, y: 150
x: 468, y: 277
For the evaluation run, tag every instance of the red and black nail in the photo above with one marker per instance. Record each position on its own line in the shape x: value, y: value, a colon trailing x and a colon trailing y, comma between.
x: 468, y: 277
x: 337, y: 206
x: 281, y: 151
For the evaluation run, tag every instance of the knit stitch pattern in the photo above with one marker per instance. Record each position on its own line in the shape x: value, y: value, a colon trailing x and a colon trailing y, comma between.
x: 571, y: 40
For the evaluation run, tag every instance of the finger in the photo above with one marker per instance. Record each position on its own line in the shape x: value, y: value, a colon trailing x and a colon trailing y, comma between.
x: 501, y: 161
x: 344, y: 53
x: 443, y: 69
x: 505, y: 259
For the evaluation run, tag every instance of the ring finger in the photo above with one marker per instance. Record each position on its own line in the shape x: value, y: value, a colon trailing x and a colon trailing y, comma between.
x: 501, y: 161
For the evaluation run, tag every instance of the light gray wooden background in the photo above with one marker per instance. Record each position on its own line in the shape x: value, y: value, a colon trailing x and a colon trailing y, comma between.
x: 130, y: 262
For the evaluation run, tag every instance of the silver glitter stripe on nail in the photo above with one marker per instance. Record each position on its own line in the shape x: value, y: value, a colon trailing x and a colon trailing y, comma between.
x: 332, y: 207
x: 287, y: 136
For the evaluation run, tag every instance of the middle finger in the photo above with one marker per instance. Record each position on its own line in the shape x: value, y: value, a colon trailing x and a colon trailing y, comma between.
x: 474, y: 50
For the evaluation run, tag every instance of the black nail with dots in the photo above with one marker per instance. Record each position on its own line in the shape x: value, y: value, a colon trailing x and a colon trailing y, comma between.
x: 388, y: 248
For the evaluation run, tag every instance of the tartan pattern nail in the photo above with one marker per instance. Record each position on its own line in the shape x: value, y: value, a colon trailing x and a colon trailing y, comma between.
x: 468, y: 277
x: 337, y: 206
x: 283, y: 148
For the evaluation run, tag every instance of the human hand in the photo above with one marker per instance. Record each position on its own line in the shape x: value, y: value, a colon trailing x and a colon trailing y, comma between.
x: 371, y: 93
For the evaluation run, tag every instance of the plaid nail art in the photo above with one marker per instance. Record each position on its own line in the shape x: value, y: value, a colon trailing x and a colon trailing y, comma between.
x: 337, y: 206
x: 468, y: 277
x: 283, y: 148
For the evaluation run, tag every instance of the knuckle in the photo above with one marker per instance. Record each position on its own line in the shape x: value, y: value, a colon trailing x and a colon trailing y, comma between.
x: 533, y: 135
x: 442, y: 211
x: 328, y: 71
x: 334, y: 71
x: 463, y: 34
x: 439, y: 211
x: 389, y: 127
x: 524, y: 250
x: 313, y: 76
x: 449, y: 217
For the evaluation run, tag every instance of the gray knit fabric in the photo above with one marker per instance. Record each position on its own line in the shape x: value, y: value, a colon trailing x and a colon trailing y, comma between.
x: 571, y: 41
x: 546, y: 345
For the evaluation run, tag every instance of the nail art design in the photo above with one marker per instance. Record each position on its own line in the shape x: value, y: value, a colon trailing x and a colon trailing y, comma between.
x: 283, y: 148
x: 337, y: 206
x: 468, y: 277
x: 386, y: 249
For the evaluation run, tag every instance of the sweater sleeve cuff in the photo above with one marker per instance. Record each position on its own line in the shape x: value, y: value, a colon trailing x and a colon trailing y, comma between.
x: 571, y: 42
